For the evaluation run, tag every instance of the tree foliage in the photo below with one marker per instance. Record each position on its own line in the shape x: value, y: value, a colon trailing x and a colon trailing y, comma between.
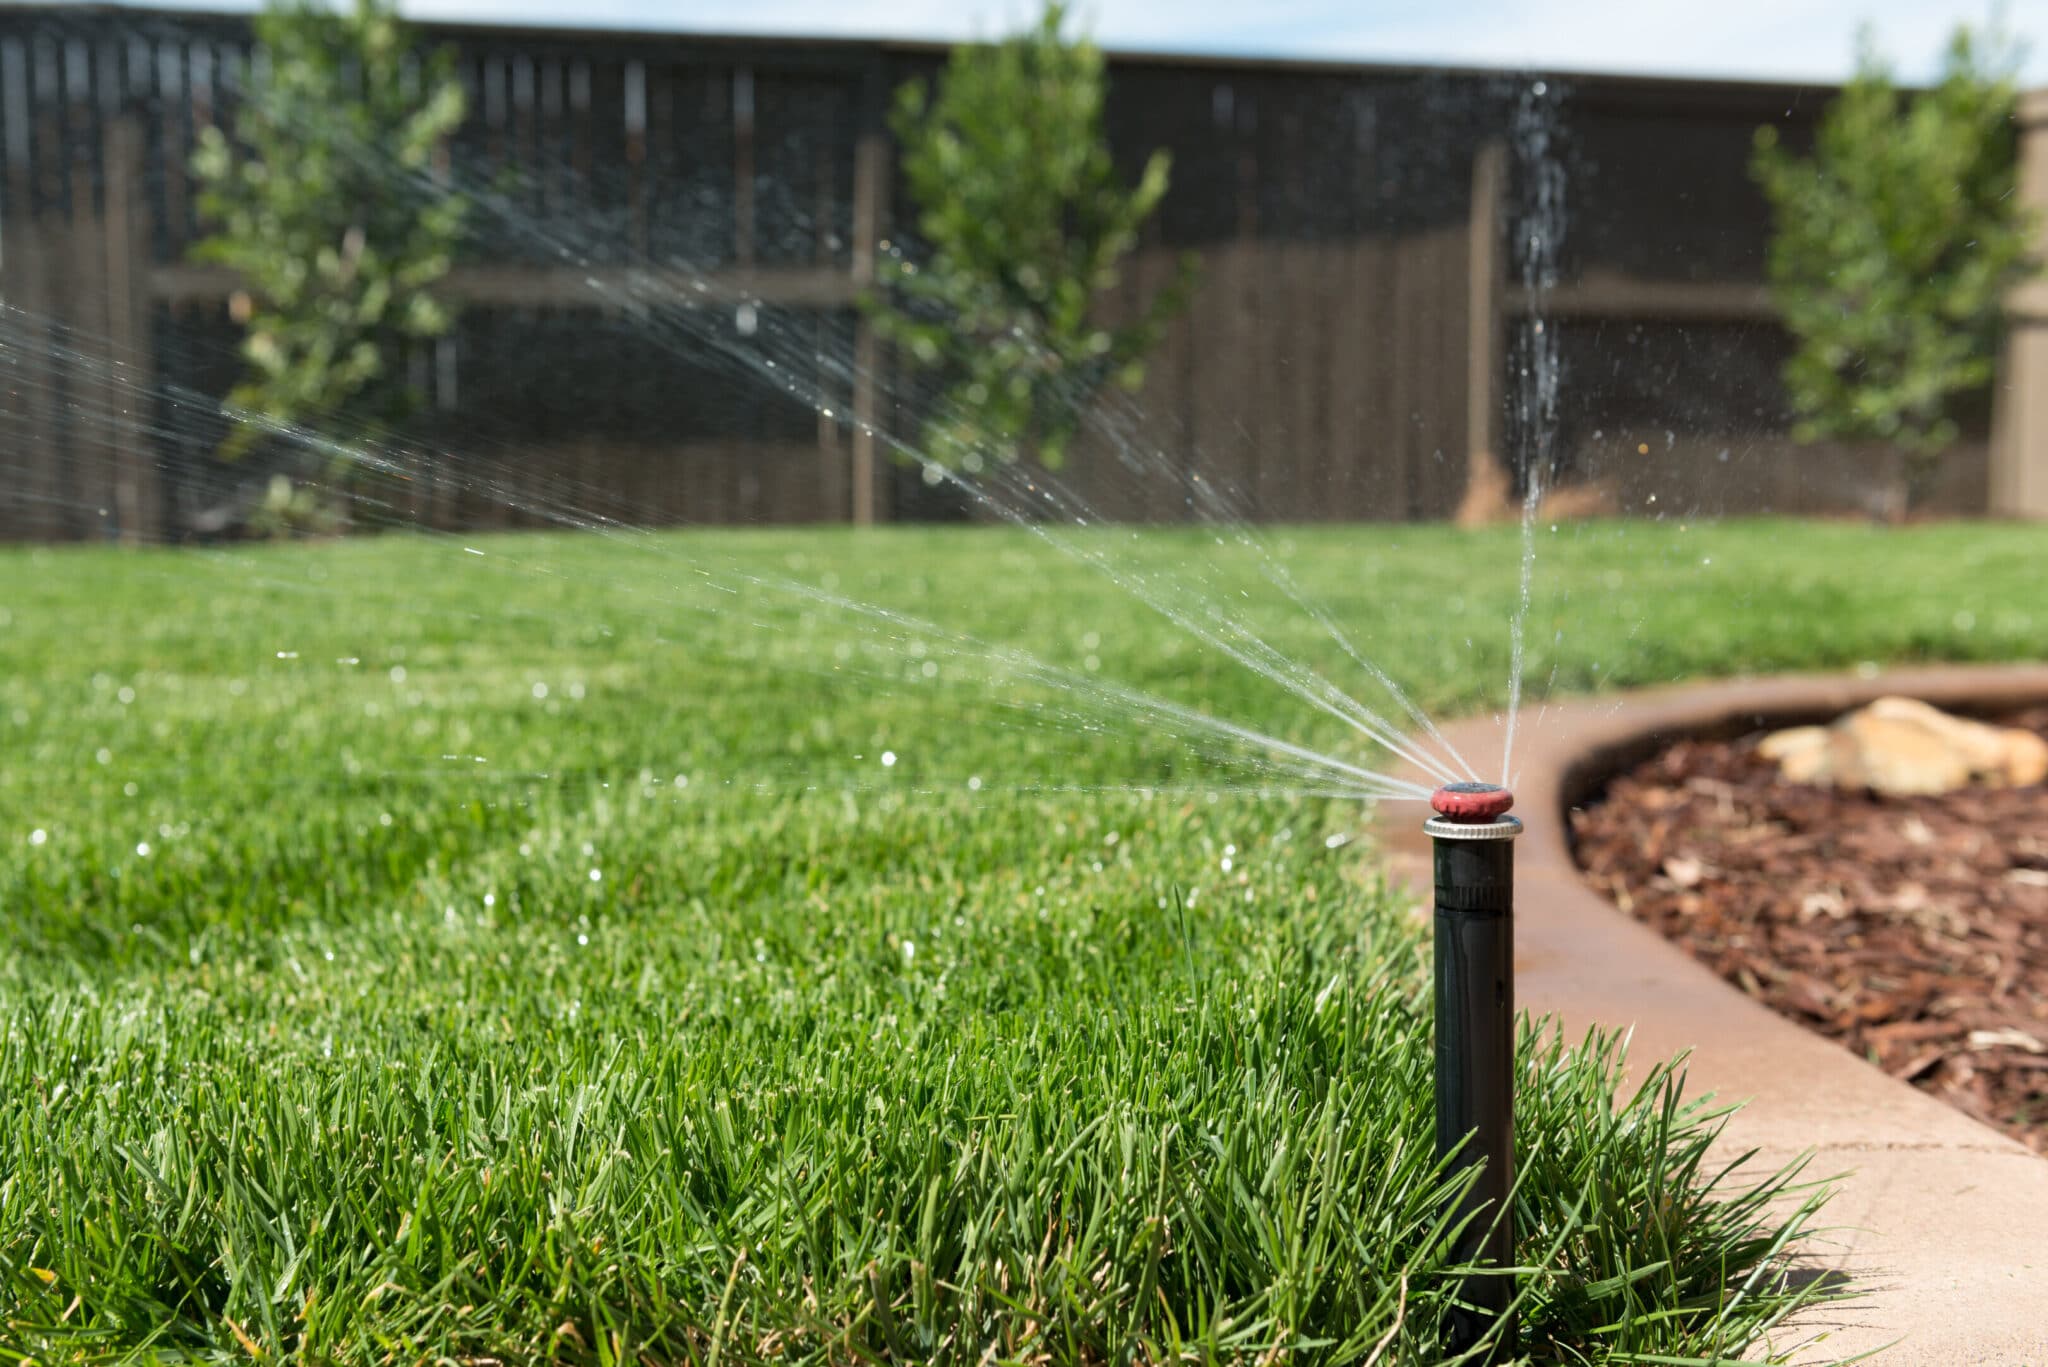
x: 326, y: 202
x: 1895, y: 244
x: 1027, y: 222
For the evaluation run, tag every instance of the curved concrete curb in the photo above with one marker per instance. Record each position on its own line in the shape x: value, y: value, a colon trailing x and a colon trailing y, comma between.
x: 1943, y: 1222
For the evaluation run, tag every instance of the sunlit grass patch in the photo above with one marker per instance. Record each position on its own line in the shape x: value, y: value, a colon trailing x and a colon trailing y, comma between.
x: 537, y: 955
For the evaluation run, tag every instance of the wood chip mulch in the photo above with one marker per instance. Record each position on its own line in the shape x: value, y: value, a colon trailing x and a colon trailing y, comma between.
x: 1913, y: 930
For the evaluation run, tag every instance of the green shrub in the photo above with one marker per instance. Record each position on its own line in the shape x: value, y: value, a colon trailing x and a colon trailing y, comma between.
x: 325, y: 203
x: 1895, y: 243
x: 1027, y: 221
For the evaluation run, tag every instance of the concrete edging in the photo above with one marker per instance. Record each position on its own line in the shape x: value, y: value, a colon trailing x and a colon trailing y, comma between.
x: 1942, y: 1222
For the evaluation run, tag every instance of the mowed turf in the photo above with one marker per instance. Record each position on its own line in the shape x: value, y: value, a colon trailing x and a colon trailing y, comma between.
x: 662, y: 948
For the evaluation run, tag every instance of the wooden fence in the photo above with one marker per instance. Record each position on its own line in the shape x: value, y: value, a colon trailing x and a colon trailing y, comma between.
x: 1348, y: 354
x: 2019, y: 464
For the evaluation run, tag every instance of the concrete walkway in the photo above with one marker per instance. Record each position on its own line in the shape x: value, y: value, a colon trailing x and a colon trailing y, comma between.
x: 1942, y: 1222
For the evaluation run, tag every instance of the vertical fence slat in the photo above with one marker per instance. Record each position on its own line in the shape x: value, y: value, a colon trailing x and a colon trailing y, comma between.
x: 26, y: 285
x: 1407, y: 321
x: 1164, y: 403
x: 1438, y: 496
x: 1484, y: 479
x: 137, y: 495
x: 2018, y: 475
x: 743, y: 154
x: 16, y: 128
x: 870, y: 212
x: 1271, y: 341
x: 1345, y: 379
x: 1313, y: 277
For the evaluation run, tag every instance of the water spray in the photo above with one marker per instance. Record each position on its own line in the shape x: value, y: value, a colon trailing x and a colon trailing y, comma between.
x: 1474, y: 839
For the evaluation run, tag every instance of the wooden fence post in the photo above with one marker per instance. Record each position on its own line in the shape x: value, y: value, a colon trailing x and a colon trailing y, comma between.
x: 870, y: 212
x: 1487, y: 487
x: 131, y: 354
x: 2019, y: 416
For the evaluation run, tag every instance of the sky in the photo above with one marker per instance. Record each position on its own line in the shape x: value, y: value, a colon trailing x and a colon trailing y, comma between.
x: 1761, y: 39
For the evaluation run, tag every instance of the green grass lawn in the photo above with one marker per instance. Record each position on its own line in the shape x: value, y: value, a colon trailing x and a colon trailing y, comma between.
x: 596, y: 949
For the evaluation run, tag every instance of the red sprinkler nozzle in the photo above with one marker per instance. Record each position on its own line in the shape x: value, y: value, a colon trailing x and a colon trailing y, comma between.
x: 1471, y: 801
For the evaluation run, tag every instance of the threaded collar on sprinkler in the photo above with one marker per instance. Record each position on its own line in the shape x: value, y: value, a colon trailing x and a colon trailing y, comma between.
x: 1472, y: 811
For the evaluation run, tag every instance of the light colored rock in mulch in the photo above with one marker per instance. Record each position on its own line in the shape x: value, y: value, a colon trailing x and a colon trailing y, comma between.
x: 1903, y: 747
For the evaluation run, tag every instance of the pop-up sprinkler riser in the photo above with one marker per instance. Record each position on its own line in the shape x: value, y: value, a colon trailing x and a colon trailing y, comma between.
x: 1474, y: 839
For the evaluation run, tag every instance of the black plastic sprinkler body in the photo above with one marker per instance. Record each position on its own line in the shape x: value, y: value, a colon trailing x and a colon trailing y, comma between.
x: 1475, y: 1041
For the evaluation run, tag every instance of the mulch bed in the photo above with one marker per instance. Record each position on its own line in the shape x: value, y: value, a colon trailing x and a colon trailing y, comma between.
x: 1913, y: 930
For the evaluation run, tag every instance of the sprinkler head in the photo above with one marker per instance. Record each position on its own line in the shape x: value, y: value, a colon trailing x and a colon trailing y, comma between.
x: 1471, y: 802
